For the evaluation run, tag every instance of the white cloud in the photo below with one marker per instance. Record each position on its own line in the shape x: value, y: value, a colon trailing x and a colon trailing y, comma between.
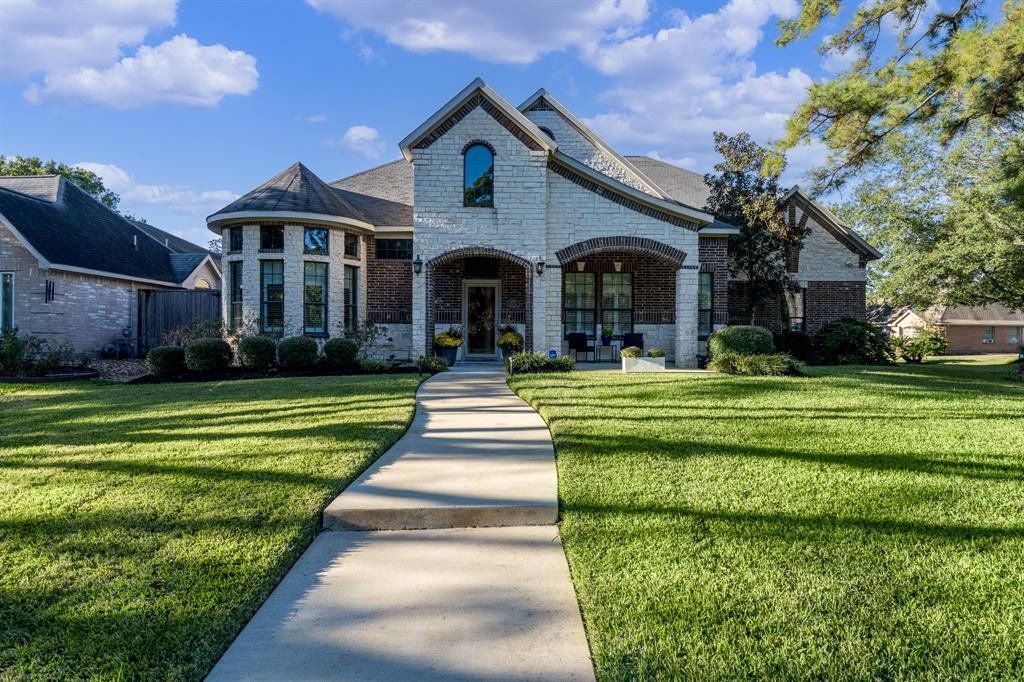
x: 136, y: 196
x: 42, y: 37
x: 362, y: 140
x: 316, y: 118
x: 179, y: 71
x: 671, y: 89
x: 498, y: 31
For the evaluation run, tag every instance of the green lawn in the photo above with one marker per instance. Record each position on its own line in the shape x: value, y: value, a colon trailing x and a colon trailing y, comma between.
x: 141, y: 526
x: 866, y: 523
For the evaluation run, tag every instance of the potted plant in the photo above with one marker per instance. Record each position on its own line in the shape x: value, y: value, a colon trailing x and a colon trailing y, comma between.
x: 606, y: 337
x: 633, y: 360
x: 447, y: 344
x: 510, y: 341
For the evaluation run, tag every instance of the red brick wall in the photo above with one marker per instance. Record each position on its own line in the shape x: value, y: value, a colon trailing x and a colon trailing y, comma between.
x: 447, y: 288
x: 966, y: 339
x: 768, y: 314
x: 826, y: 302
x: 713, y: 254
x: 388, y: 288
x: 654, y: 285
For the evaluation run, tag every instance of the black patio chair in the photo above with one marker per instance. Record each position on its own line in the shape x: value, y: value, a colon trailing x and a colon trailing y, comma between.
x: 632, y: 339
x: 578, y: 344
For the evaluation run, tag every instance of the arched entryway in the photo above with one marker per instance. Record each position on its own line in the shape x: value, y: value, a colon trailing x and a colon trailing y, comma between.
x: 482, y: 291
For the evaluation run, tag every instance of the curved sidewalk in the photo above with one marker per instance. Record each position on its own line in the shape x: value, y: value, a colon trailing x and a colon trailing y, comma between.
x: 480, y: 592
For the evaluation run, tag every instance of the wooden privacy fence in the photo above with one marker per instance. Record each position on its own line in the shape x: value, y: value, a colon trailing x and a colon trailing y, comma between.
x: 163, y: 311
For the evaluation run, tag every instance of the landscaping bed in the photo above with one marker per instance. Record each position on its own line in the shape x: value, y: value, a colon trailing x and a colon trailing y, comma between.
x: 143, y: 525
x: 861, y: 523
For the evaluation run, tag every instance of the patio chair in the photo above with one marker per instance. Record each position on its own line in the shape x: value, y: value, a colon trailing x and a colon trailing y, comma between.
x: 632, y: 339
x: 578, y: 344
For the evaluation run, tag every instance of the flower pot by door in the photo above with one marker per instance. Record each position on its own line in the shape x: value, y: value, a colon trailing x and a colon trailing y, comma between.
x: 450, y: 355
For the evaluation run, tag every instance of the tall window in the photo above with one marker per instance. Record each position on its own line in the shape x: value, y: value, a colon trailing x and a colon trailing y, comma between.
x: 351, y: 245
x: 6, y: 301
x: 315, y: 240
x: 795, y: 310
x: 1013, y: 335
x: 314, y: 288
x: 616, y: 303
x: 988, y: 335
x: 478, y: 176
x: 272, y: 238
x: 393, y: 249
x: 705, y: 304
x: 579, y: 302
x: 235, y: 240
x: 351, y: 298
x: 236, y: 294
x: 272, y: 296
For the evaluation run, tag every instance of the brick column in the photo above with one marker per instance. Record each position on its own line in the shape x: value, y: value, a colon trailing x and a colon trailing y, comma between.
x: 551, y: 308
x: 686, y: 317
x: 538, y: 309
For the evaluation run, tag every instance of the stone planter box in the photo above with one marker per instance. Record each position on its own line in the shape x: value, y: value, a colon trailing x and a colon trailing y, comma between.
x: 630, y: 365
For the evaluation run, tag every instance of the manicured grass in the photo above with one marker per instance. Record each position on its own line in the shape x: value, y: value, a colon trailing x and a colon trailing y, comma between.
x: 141, y: 526
x: 866, y: 523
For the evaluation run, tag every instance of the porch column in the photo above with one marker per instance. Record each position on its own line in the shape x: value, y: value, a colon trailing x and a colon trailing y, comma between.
x: 551, y: 307
x: 419, y: 313
x: 686, y: 316
x: 538, y: 310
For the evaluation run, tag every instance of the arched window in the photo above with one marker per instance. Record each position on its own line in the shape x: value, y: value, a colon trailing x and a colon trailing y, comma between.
x: 478, y: 176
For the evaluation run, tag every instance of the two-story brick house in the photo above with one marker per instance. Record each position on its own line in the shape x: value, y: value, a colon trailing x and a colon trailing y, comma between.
x: 513, y: 216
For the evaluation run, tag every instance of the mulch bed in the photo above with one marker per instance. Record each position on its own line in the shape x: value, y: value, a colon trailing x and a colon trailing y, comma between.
x: 119, y: 370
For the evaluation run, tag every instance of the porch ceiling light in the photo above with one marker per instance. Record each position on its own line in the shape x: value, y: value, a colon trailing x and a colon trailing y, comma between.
x: 540, y: 266
x: 417, y: 265
x: 618, y: 266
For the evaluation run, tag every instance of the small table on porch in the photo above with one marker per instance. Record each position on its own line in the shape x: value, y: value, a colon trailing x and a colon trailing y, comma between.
x: 612, y: 349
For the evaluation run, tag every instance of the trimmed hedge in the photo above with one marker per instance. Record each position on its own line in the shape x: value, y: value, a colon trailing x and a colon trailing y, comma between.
x: 525, y: 362
x: 741, y: 340
x: 341, y: 354
x: 764, y: 365
x: 797, y: 344
x: 257, y: 352
x: 432, y: 364
x: 166, y: 361
x: 297, y: 352
x: 852, y: 342
x: 207, y: 355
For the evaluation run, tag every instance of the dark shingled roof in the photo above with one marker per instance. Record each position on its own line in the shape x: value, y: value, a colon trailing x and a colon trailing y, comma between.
x: 682, y: 185
x: 391, y: 181
x: 981, y: 313
x: 173, y: 243
x: 183, y: 264
x: 76, y: 230
x: 295, y: 189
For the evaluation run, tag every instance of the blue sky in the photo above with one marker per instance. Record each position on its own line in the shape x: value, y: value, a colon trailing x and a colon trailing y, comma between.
x: 182, y: 106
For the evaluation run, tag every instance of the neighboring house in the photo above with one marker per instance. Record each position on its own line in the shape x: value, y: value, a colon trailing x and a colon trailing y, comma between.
x: 969, y: 329
x: 70, y: 267
x: 513, y: 216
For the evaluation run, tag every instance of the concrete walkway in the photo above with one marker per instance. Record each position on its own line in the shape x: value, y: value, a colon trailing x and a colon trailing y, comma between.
x: 481, y: 592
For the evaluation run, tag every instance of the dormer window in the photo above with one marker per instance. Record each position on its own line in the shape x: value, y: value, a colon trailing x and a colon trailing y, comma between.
x: 478, y: 176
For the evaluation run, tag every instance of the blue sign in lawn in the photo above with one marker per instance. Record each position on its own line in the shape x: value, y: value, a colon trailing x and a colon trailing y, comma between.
x: 552, y: 353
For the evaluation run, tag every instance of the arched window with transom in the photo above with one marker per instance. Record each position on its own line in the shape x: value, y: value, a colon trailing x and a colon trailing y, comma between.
x: 478, y: 175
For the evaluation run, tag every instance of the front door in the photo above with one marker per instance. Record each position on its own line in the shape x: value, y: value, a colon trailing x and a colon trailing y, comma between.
x: 481, y: 317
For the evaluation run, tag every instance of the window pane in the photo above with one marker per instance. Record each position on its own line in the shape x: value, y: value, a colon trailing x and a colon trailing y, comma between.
x: 988, y: 335
x: 315, y: 298
x: 704, y: 296
x: 1013, y: 335
x: 478, y: 185
x: 393, y: 249
x: 272, y: 295
x: 351, y: 297
x: 315, y: 240
x: 271, y: 238
x: 352, y: 246
x: 236, y: 235
x: 704, y: 324
x: 7, y: 301
x: 236, y: 294
x: 579, y: 290
x: 579, y: 321
x: 616, y: 322
x: 617, y: 290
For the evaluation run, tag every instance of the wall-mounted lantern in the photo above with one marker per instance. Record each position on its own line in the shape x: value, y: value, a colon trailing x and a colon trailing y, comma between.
x: 417, y: 265
x: 540, y: 267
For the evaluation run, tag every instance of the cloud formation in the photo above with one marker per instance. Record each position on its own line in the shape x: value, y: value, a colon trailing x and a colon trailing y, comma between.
x: 75, y: 50
x: 363, y: 140
x: 497, y: 31
x: 173, y: 197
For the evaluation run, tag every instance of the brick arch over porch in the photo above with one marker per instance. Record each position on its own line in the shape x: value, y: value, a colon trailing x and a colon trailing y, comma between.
x: 436, y: 266
x: 600, y: 245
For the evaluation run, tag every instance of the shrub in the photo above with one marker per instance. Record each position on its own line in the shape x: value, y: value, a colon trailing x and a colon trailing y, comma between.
x: 510, y: 341
x: 757, y: 365
x: 341, y: 353
x: 797, y: 344
x: 33, y: 355
x: 297, y: 352
x: 630, y: 352
x: 366, y: 336
x: 432, y: 364
x: 449, y: 339
x: 526, y: 362
x: 741, y: 340
x: 919, y: 346
x: 852, y: 342
x: 374, y: 366
x: 257, y: 352
x: 207, y: 355
x: 166, y: 361
x: 655, y: 353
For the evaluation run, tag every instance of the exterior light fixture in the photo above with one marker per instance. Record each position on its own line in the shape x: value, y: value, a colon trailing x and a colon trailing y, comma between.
x: 540, y: 267
x: 417, y: 265
x: 618, y: 266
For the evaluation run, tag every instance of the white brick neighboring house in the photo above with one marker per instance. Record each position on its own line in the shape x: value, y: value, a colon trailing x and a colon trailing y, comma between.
x: 70, y: 268
x: 514, y: 216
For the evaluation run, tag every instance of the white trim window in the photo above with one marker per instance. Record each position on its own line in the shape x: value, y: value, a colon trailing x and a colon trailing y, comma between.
x: 988, y: 335
x: 6, y: 301
x: 1013, y: 335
